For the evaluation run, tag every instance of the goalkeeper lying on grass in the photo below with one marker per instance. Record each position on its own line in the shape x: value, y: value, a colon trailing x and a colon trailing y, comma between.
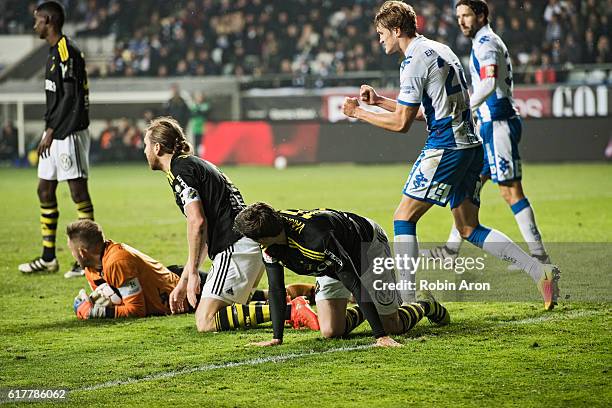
x: 128, y: 283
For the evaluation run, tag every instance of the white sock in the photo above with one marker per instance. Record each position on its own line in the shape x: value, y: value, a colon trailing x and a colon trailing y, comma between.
x: 454, y: 240
x: 499, y: 245
x: 525, y: 218
x: 406, y: 246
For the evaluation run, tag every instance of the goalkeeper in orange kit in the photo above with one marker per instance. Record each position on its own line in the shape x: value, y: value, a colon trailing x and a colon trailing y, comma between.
x: 128, y: 283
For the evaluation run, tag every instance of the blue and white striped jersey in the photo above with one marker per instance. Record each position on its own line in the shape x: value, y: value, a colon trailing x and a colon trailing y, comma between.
x: 490, y: 58
x: 431, y: 74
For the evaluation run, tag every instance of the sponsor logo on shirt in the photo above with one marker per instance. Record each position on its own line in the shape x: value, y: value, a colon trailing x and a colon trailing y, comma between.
x: 50, y: 85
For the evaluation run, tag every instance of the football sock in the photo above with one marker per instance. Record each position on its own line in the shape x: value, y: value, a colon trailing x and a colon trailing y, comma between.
x: 410, y: 315
x: 85, y: 210
x: 406, y: 247
x: 243, y: 316
x: 433, y: 310
x: 354, y: 317
x: 454, y: 240
x: 525, y: 218
x: 48, y: 227
x: 258, y: 296
x: 502, y: 247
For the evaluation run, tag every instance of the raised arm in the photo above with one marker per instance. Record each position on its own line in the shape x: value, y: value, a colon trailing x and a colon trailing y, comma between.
x: 398, y: 120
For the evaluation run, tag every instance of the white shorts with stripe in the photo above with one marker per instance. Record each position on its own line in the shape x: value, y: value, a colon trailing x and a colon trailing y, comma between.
x: 386, y: 301
x: 235, y: 272
x: 68, y: 159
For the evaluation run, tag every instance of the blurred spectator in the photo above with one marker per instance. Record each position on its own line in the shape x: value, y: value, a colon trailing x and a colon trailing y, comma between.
x: 118, y: 142
x: 603, y: 51
x: 8, y: 141
x: 177, y: 108
x: 545, y: 74
x: 200, y: 109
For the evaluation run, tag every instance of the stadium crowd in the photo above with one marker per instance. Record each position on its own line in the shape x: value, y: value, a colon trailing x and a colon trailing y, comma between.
x: 320, y: 37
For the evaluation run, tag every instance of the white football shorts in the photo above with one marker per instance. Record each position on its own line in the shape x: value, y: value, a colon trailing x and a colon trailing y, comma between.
x: 68, y: 159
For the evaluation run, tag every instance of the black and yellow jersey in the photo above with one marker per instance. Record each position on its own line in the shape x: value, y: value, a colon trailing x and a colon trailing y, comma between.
x: 194, y: 179
x: 317, y: 239
x: 320, y: 242
x: 66, y: 90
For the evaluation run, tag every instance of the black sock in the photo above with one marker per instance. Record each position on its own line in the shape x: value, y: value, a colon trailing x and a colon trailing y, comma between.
x: 354, y: 317
x: 410, y: 315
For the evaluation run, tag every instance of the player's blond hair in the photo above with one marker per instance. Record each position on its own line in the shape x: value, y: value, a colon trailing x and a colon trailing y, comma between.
x: 169, y: 134
x: 397, y: 14
x: 85, y: 232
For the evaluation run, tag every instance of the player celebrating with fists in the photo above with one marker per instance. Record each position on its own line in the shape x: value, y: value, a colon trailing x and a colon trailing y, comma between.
x: 448, y: 168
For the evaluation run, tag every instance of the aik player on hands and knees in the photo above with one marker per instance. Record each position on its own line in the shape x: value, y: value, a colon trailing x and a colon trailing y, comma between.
x: 500, y: 125
x: 210, y: 203
x: 448, y: 168
x: 328, y: 244
x: 64, y: 148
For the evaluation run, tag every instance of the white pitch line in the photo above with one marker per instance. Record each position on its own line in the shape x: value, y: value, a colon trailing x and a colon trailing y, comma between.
x: 552, y: 316
x: 286, y: 357
x: 209, y: 367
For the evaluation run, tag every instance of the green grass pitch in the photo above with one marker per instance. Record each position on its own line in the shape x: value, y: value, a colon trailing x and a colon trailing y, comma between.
x: 494, y: 352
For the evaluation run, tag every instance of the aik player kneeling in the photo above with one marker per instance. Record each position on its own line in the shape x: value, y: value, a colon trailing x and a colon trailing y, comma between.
x: 328, y: 244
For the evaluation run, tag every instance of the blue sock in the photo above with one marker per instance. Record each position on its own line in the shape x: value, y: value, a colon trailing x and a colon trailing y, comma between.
x: 519, y: 206
x: 478, y: 236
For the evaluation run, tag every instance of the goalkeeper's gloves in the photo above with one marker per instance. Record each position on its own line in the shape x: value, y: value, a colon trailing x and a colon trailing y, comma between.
x: 98, y: 305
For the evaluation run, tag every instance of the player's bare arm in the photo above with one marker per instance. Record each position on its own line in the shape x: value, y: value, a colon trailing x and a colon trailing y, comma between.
x: 368, y: 95
x: 399, y: 120
x: 197, y: 239
x: 45, y: 143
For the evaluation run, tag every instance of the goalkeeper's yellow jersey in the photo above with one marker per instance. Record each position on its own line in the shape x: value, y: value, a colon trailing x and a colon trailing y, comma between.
x: 143, y: 283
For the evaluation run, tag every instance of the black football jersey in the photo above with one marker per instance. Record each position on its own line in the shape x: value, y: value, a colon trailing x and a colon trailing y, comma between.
x: 66, y: 90
x: 193, y: 179
x: 321, y: 242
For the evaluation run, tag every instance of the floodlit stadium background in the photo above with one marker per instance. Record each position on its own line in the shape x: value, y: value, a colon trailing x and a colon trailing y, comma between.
x: 271, y: 75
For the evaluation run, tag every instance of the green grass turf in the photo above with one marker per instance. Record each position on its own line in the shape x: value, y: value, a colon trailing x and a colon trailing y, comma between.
x: 494, y: 353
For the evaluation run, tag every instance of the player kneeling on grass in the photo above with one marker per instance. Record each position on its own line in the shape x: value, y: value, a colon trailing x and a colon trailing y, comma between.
x: 210, y: 202
x: 128, y: 283
x: 329, y: 245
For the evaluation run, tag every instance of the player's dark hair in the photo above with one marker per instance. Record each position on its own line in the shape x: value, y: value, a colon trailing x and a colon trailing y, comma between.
x: 396, y: 14
x: 55, y: 11
x: 477, y: 6
x: 86, y: 232
x: 258, y: 220
x: 168, y: 133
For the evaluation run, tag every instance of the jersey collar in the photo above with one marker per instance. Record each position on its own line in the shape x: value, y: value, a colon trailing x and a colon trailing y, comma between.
x: 483, y: 31
x: 413, y: 43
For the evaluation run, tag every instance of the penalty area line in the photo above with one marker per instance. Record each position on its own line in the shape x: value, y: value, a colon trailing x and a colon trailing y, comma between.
x: 209, y: 367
